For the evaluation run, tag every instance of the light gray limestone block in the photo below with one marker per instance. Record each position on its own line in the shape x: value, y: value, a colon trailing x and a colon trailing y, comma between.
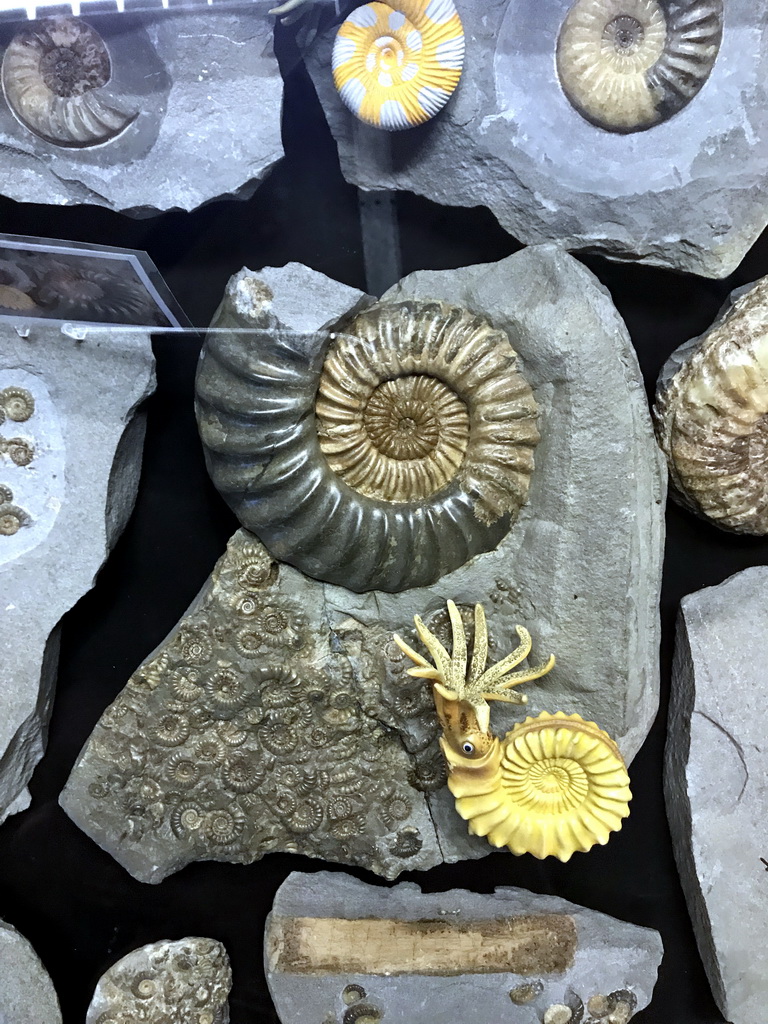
x: 70, y: 454
x: 688, y: 193
x: 326, y: 746
x: 27, y: 995
x: 182, y: 982
x: 206, y: 93
x: 715, y: 784
x: 337, y: 950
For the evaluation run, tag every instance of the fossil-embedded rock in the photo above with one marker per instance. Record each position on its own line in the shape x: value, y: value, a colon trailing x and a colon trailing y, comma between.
x: 27, y: 995
x: 280, y: 716
x: 688, y: 192
x: 70, y: 454
x: 337, y: 950
x: 179, y: 109
x: 182, y: 982
x: 716, y: 789
x: 711, y: 416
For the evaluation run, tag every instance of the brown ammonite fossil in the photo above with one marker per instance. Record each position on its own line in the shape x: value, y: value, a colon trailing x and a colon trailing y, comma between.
x: 711, y: 417
x: 399, y: 449
x: 53, y: 75
x: 627, y: 65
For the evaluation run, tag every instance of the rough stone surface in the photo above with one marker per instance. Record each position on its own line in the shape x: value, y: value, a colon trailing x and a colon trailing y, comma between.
x: 182, y: 982
x: 208, y: 94
x: 27, y: 995
x: 576, y: 964
x: 716, y: 789
x: 687, y: 194
x: 70, y: 497
x: 342, y: 762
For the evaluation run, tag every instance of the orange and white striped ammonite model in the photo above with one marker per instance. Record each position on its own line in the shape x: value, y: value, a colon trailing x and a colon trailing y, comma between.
x: 396, y: 66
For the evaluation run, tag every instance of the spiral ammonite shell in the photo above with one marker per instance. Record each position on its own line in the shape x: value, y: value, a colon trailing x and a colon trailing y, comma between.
x: 559, y: 786
x: 386, y: 461
x: 53, y: 74
x: 396, y: 65
x: 627, y: 65
x: 711, y: 419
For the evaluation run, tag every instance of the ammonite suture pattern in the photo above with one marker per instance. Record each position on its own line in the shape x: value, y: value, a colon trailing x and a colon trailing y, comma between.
x: 712, y: 419
x: 627, y: 65
x: 53, y: 75
x: 396, y: 64
x: 382, y: 463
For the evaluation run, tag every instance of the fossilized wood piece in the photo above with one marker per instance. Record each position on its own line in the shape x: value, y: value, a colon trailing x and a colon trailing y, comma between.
x: 380, y: 454
x: 70, y: 453
x: 715, y: 785
x: 134, y: 114
x: 332, y: 945
x: 711, y: 416
x: 627, y: 65
x: 687, y: 193
x: 381, y: 788
x: 181, y: 982
x: 28, y: 996
x: 341, y: 950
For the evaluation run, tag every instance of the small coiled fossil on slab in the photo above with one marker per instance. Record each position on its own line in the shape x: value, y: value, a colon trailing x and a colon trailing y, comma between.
x: 627, y: 65
x: 399, y: 449
x: 53, y: 75
x: 711, y: 417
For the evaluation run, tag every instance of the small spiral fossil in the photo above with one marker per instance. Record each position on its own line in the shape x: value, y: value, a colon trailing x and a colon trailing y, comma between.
x: 711, y: 418
x: 17, y: 404
x: 53, y: 75
x: 627, y: 65
x: 417, y: 458
x: 396, y: 64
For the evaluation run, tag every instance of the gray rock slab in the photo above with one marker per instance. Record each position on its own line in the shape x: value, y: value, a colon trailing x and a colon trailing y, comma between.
x: 28, y: 996
x: 69, y: 501
x: 688, y: 193
x: 349, y: 770
x: 166, y: 982
x: 716, y: 789
x: 207, y: 93
x: 403, y: 955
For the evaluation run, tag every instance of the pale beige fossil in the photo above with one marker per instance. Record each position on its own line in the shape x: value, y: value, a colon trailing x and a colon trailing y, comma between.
x: 627, y: 65
x: 712, y: 418
x: 53, y: 76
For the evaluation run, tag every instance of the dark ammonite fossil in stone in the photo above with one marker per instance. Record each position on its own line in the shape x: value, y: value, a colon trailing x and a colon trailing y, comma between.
x: 378, y: 456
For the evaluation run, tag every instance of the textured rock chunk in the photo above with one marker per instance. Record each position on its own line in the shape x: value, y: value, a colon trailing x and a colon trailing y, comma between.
x: 27, y: 995
x: 715, y: 782
x: 279, y: 714
x: 70, y: 454
x: 182, y: 982
x: 339, y: 950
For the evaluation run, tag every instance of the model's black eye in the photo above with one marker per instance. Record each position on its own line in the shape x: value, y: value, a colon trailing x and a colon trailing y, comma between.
x: 468, y: 748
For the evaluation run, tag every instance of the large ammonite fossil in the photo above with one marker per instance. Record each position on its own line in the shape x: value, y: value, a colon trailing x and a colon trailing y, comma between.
x: 53, y: 77
x: 627, y: 65
x: 396, y: 64
x: 711, y: 418
x: 554, y: 785
x: 398, y: 449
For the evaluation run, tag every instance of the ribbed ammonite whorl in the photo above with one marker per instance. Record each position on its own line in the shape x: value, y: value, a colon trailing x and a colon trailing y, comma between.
x: 712, y: 419
x: 627, y: 65
x: 396, y: 64
x: 399, y: 449
x: 53, y: 74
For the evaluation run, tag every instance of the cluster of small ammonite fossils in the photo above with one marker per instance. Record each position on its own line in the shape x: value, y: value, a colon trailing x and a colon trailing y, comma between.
x: 16, y: 406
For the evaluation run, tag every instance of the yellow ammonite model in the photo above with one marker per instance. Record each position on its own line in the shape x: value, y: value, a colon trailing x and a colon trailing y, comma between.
x: 553, y: 785
x: 396, y: 66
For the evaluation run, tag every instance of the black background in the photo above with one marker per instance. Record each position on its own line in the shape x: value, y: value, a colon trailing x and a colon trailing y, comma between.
x: 80, y: 910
